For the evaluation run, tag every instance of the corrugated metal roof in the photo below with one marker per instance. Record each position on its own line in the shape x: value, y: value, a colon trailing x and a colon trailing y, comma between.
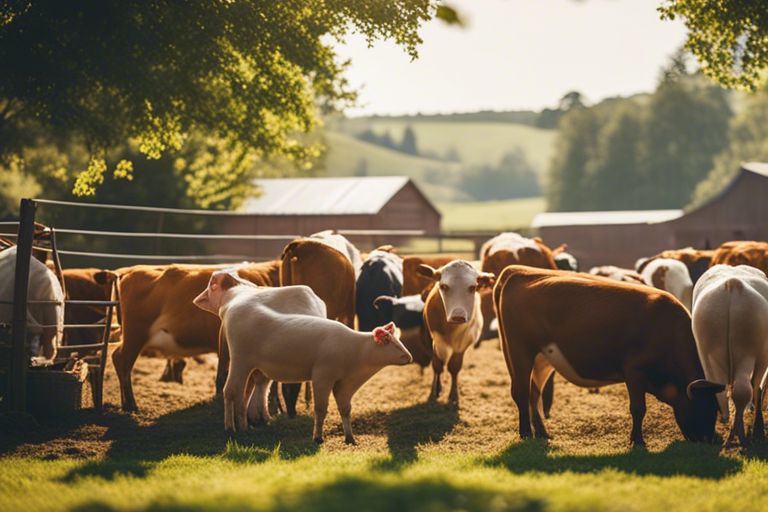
x: 607, y: 217
x: 324, y: 196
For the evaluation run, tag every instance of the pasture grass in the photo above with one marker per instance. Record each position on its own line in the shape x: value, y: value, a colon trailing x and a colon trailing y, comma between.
x: 491, y: 215
x: 411, y: 455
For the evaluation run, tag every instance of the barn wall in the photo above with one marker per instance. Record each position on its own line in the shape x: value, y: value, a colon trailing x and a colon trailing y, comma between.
x: 739, y: 213
x: 613, y: 244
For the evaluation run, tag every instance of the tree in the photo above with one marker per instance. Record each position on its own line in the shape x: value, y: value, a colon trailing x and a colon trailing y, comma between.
x: 513, y: 177
x: 250, y: 74
x: 729, y: 38
x: 408, y: 143
x: 748, y: 141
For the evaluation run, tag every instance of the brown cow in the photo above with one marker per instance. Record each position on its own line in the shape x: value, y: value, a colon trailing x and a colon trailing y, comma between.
x: 734, y: 253
x: 697, y: 260
x: 453, y: 316
x: 594, y: 332
x: 157, y: 314
x: 86, y: 284
x: 624, y: 275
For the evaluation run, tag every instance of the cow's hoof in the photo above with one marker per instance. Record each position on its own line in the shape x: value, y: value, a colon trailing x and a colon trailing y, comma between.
x: 318, y: 440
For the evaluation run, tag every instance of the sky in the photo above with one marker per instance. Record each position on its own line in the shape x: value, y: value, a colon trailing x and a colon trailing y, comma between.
x: 516, y: 55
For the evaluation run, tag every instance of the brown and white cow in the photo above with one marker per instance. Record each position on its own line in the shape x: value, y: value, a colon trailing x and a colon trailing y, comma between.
x: 697, y: 260
x: 157, y: 314
x: 672, y: 276
x: 594, y: 332
x: 754, y: 254
x: 453, y: 316
x: 625, y: 275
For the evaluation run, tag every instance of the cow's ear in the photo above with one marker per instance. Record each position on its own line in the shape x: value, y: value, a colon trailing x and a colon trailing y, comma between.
x: 381, y: 336
x: 428, y: 272
x: 703, y: 387
x: 641, y: 263
x: 390, y: 327
x: 104, y: 277
x: 485, y: 280
x: 386, y: 248
x: 228, y: 280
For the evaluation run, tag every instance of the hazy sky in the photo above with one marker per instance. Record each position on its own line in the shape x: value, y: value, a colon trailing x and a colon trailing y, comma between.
x: 517, y: 54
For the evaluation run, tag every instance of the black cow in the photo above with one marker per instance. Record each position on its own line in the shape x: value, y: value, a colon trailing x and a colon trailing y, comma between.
x: 408, y: 314
x: 381, y: 274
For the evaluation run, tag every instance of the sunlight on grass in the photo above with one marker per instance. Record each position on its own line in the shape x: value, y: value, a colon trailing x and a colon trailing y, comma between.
x: 491, y: 215
x: 682, y: 477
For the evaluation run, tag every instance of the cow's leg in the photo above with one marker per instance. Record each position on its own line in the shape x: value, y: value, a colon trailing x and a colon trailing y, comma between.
x: 258, y: 410
x: 174, y: 371
x: 274, y: 404
x: 235, y: 417
x: 437, y: 369
x: 548, y: 395
x: 758, y: 428
x: 123, y: 358
x: 291, y: 395
x: 223, y: 364
x: 742, y: 396
x: 521, y: 390
x: 637, y: 407
x: 454, y: 367
x: 322, y: 390
x: 542, y: 374
x: 343, y: 392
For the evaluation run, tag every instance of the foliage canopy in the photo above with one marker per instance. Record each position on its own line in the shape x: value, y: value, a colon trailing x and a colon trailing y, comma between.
x: 251, y: 74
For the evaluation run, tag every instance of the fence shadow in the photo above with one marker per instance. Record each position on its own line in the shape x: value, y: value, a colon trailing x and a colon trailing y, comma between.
x: 679, y: 458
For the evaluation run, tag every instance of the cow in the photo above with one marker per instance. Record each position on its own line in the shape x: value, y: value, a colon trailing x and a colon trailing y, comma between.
x: 293, y: 348
x: 157, y: 313
x: 565, y: 260
x: 595, y: 331
x: 730, y: 324
x: 453, y: 316
x: 45, y: 322
x: 697, y: 260
x: 735, y: 253
x: 670, y: 275
x: 408, y: 315
x: 92, y: 284
x: 381, y: 274
x: 624, y: 275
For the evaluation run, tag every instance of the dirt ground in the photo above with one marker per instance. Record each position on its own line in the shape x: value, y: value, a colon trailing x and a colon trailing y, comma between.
x: 389, y: 413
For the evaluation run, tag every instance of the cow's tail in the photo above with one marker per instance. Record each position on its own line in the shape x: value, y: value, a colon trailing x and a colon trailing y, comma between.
x: 289, y: 259
x: 732, y: 286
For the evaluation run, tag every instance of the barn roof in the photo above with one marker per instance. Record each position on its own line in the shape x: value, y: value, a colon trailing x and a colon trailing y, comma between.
x: 324, y: 196
x: 756, y: 167
x: 605, y: 217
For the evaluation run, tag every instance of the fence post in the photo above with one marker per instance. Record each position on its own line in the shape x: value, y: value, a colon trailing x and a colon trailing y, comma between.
x: 18, y: 391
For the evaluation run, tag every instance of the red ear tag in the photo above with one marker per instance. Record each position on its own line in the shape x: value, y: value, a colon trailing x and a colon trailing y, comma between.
x: 380, y: 336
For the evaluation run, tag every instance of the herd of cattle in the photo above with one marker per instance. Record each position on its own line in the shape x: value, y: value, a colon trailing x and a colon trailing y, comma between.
x: 687, y: 326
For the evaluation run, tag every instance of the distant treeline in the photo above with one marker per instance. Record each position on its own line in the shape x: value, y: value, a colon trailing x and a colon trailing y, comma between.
x: 642, y: 153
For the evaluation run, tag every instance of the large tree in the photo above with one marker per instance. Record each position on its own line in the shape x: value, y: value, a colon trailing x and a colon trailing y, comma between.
x: 248, y: 76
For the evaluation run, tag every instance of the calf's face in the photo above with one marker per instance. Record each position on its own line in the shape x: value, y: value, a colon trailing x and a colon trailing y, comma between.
x: 459, y: 282
x: 389, y: 350
x: 210, y: 299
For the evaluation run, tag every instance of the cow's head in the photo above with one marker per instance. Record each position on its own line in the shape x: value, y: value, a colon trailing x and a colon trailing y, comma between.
x: 696, y: 410
x: 389, y: 349
x: 211, y: 298
x: 458, y: 283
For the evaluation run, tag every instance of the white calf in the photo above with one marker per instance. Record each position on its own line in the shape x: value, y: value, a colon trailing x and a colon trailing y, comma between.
x: 730, y: 323
x: 295, y: 348
x: 672, y: 276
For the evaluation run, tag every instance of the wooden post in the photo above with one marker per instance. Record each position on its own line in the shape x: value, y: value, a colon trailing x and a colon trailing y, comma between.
x: 18, y: 391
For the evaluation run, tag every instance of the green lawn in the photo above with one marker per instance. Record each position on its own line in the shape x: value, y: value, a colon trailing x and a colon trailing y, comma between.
x: 524, y: 476
x: 491, y: 215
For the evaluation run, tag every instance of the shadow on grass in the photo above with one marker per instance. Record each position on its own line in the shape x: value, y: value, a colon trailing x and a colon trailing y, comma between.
x: 411, y: 426
x: 361, y: 494
x: 197, y: 430
x: 679, y: 458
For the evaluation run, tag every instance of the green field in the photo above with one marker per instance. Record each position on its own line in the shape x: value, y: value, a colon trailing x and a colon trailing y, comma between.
x: 476, y: 142
x: 491, y: 215
x: 525, y: 477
